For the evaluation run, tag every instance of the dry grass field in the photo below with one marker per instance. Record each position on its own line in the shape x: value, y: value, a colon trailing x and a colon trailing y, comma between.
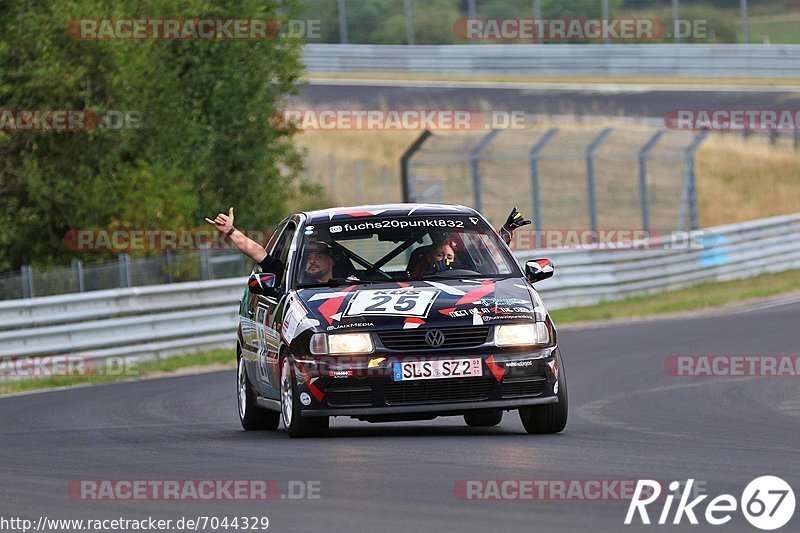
x: 737, y: 178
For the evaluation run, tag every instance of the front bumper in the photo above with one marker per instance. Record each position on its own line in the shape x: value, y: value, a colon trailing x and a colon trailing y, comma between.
x: 363, y: 387
x: 443, y: 409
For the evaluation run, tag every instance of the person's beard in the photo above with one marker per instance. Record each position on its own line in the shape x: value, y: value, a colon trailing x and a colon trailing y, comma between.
x: 316, y: 274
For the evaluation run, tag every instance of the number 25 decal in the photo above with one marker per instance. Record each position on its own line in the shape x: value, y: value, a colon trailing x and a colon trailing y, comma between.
x: 393, y: 302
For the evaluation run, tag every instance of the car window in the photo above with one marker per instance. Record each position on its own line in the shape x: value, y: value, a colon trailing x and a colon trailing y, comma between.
x: 399, y: 248
x: 282, y: 247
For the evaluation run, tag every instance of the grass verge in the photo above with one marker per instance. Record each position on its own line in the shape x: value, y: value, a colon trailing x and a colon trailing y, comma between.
x: 706, y: 295
x: 155, y: 368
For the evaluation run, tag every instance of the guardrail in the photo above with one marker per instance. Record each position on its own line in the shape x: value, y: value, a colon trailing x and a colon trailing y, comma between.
x: 694, y: 60
x: 162, y: 320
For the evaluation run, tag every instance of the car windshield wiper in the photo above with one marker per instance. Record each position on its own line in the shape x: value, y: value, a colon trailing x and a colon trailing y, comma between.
x: 333, y: 282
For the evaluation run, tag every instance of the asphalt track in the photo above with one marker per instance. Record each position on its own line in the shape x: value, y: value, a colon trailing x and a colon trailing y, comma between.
x: 589, y: 99
x: 629, y: 419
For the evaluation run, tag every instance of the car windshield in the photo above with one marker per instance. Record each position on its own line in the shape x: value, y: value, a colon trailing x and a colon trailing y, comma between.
x: 397, y: 249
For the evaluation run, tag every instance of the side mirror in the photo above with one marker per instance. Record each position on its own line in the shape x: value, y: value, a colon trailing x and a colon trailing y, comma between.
x: 538, y: 269
x: 263, y: 284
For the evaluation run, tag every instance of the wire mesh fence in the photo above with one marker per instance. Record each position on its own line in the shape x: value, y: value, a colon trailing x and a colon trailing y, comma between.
x: 125, y: 272
x: 564, y: 178
x: 353, y: 182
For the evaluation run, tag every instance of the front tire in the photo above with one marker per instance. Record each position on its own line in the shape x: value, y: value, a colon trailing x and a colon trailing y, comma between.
x: 296, y: 425
x: 483, y: 418
x: 252, y: 417
x: 549, y: 418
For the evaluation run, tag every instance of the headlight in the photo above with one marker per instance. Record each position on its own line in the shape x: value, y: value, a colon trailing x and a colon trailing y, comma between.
x: 342, y: 343
x: 532, y: 334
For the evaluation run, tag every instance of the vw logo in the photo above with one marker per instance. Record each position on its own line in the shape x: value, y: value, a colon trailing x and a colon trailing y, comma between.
x: 434, y: 338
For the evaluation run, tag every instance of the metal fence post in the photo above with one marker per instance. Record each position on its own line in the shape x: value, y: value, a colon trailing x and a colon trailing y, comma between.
x: 643, y: 193
x: 604, y: 15
x: 694, y: 222
x: 745, y: 21
x: 474, y: 162
x: 342, y: 22
x: 409, y: 21
x: 590, y: 175
x: 408, y: 189
x: 533, y: 158
x: 168, y: 257
x: 689, y: 195
x: 205, y: 264
x: 796, y: 138
x: 332, y: 176
x: 77, y: 269
x: 125, y: 271
x: 359, y: 184
x: 676, y: 15
x: 385, y: 179
x: 773, y: 137
x: 27, y: 281
x: 537, y: 14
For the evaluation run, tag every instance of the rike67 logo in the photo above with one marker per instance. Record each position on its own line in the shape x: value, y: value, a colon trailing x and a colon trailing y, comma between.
x: 767, y: 502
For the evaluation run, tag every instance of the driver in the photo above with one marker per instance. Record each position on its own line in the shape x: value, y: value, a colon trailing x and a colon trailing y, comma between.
x: 438, y: 258
x: 319, y: 262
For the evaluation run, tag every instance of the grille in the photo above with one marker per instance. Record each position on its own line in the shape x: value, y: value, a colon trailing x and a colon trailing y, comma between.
x: 438, y: 390
x: 349, y: 397
x: 517, y: 387
x: 454, y: 337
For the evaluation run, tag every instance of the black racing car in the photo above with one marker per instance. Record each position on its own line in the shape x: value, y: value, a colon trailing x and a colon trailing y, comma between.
x: 391, y: 313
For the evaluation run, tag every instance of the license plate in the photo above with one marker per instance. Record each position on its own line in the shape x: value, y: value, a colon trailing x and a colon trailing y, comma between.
x: 456, y: 368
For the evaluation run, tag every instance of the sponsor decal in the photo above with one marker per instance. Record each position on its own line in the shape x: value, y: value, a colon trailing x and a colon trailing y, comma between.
x: 336, y: 229
x: 305, y: 399
x: 520, y: 363
x: 488, y: 314
x: 374, y: 363
x: 351, y: 325
x: 335, y: 374
x: 400, y: 224
x: 506, y: 317
x: 392, y: 302
x: 501, y: 301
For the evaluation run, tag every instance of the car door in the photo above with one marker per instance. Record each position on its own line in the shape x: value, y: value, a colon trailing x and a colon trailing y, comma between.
x: 253, y: 336
x: 267, y: 313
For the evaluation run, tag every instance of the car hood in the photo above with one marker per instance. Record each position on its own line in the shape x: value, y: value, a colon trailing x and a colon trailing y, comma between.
x: 414, y: 304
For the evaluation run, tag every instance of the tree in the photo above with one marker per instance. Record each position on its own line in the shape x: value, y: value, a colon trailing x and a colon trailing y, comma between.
x: 206, y: 138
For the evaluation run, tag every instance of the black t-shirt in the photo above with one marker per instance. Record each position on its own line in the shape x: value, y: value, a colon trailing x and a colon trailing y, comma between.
x: 272, y: 265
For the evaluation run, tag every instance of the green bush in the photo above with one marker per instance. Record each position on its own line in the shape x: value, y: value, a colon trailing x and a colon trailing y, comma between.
x: 206, y: 141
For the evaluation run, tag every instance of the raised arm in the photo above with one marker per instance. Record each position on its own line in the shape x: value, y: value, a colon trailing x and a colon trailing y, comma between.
x: 249, y: 247
x: 514, y: 221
